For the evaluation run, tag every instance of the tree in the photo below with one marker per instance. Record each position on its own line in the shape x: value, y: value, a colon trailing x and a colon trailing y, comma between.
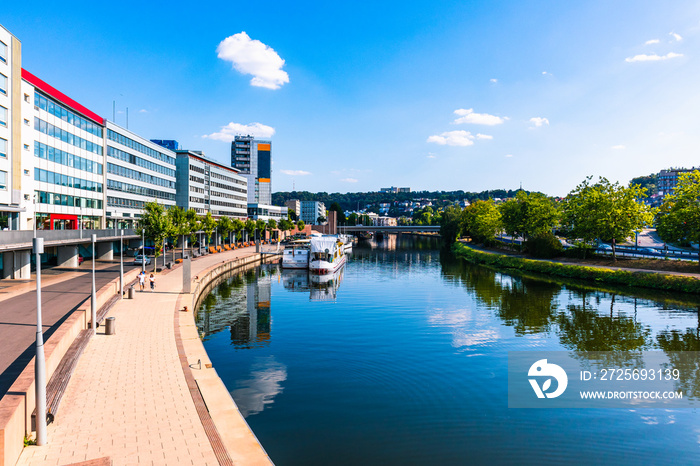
x: 260, y: 226
x: 335, y: 207
x: 605, y: 211
x: 301, y: 225
x: 224, y: 226
x: 180, y: 223
x: 481, y: 221
x: 529, y: 215
x: 237, y: 225
x: 193, y: 222
x: 678, y: 219
x: 292, y: 215
x: 208, y: 225
x: 157, y: 227
x: 450, y: 224
x: 285, y: 225
x: 352, y: 219
x: 271, y: 225
x: 249, y: 228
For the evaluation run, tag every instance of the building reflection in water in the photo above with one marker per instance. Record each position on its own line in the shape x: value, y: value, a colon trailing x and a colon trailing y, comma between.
x: 242, y: 304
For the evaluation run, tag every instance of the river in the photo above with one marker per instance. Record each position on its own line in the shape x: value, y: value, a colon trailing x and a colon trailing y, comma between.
x: 403, y: 359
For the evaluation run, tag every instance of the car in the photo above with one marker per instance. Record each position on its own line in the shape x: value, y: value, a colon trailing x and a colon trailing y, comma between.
x: 649, y: 250
x: 139, y: 260
x: 604, y: 247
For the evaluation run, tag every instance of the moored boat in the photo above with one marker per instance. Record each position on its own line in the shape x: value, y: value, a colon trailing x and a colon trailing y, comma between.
x: 327, y: 254
x: 296, y: 256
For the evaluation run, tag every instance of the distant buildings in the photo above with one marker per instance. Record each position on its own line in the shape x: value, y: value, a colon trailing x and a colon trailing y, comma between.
x: 668, y: 179
x: 295, y: 206
x: 311, y: 211
x: 384, y: 222
x: 394, y: 189
x: 253, y: 158
x: 208, y: 186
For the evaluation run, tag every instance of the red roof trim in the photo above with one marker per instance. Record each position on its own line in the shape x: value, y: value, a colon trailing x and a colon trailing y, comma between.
x: 61, y: 97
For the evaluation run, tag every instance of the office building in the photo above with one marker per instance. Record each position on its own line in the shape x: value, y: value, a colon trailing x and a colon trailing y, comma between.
x: 138, y: 171
x: 295, y: 206
x: 394, y: 190
x: 254, y: 160
x: 668, y: 179
x: 209, y: 186
x: 311, y: 211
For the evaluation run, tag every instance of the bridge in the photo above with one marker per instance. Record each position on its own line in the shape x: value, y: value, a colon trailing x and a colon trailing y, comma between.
x: 397, y: 229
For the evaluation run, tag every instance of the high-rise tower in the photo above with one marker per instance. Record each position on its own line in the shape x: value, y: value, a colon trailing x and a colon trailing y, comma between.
x: 254, y: 159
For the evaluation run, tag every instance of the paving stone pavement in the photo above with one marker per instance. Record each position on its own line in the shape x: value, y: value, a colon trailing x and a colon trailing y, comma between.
x: 128, y: 398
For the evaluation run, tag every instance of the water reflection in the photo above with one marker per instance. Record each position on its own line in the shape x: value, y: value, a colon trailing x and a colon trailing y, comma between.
x: 242, y: 305
x: 260, y: 388
x: 320, y: 287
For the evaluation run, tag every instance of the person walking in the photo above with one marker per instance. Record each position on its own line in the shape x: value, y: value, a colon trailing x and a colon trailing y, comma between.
x: 152, y: 280
x: 142, y: 280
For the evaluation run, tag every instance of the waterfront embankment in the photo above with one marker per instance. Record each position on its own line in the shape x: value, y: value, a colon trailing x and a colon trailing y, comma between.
x: 148, y: 394
x: 653, y: 279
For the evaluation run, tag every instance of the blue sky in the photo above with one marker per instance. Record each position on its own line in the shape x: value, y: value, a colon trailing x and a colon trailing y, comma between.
x: 363, y: 95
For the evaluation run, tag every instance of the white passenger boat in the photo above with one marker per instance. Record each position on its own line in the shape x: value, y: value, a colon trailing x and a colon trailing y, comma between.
x: 296, y: 256
x: 327, y: 254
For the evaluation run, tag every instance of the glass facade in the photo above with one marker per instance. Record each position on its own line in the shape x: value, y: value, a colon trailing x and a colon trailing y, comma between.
x: 138, y: 161
x: 133, y: 189
x: 136, y: 175
x: 64, y: 158
x: 137, y: 146
x: 65, y: 114
x: 66, y: 181
x: 65, y: 136
x: 44, y: 197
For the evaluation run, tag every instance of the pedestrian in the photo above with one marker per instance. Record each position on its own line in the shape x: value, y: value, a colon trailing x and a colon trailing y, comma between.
x: 152, y: 279
x: 142, y: 280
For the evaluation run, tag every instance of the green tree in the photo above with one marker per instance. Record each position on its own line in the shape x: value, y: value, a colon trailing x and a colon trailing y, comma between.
x: 301, y: 225
x: 292, y: 215
x: 260, y: 226
x: 285, y: 225
x: 157, y: 226
x: 181, y: 225
x: 451, y: 224
x: 208, y: 225
x: 194, y: 224
x: 678, y: 220
x: 529, y: 215
x: 605, y: 211
x: 271, y: 225
x: 352, y: 219
x: 481, y: 221
x: 249, y: 228
x: 335, y: 207
x: 224, y: 226
x: 238, y: 226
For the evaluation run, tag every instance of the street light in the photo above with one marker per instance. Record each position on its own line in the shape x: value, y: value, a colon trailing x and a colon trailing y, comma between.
x: 93, y: 298
x: 121, y: 264
x: 40, y: 361
x: 143, y: 249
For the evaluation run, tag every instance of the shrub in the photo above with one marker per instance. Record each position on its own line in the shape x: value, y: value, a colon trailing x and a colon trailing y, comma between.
x: 579, y: 251
x: 545, y: 246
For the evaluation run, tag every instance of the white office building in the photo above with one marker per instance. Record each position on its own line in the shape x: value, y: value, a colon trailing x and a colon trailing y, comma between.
x: 311, y: 211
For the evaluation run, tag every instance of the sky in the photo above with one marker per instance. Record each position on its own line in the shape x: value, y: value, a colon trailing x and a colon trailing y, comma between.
x: 357, y: 96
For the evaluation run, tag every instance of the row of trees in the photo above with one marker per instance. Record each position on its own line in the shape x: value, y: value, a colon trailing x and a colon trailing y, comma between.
x: 159, y: 225
x: 601, y: 211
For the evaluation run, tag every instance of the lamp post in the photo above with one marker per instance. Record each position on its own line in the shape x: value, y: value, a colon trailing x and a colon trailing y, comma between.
x: 40, y: 361
x: 143, y: 249
x: 121, y: 264
x: 93, y: 297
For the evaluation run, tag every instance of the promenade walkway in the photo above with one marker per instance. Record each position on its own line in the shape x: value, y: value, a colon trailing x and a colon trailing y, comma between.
x: 128, y: 398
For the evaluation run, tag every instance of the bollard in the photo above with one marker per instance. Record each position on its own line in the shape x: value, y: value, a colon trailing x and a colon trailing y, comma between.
x: 131, y: 292
x: 109, y: 326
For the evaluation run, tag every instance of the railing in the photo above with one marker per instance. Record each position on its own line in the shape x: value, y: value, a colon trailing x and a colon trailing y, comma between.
x: 25, y: 236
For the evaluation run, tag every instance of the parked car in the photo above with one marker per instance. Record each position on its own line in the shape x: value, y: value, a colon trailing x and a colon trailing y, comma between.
x: 604, y: 247
x: 139, y: 260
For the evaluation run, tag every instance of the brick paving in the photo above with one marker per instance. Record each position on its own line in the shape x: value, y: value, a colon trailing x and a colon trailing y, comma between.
x: 128, y: 398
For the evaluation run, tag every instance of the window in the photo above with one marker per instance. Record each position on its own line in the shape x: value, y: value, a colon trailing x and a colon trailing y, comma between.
x: 3, y: 181
x: 26, y: 147
x: 3, y: 52
x: 26, y: 172
x: 3, y: 84
x: 3, y: 116
x: 3, y: 148
x: 26, y: 98
x: 26, y: 122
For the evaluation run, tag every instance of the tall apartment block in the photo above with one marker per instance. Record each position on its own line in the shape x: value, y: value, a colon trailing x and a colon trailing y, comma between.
x: 254, y: 160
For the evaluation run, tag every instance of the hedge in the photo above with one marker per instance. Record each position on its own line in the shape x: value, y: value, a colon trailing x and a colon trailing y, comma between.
x: 654, y: 280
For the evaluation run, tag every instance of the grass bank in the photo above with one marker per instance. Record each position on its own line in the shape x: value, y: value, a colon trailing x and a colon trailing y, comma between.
x: 658, y: 281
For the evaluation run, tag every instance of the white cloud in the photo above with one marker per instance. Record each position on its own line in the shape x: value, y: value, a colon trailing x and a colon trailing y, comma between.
x: 483, y: 136
x: 295, y: 172
x: 431, y: 155
x: 143, y: 110
x: 259, y: 390
x: 493, y: 80
x: 618, y: 147
x: 676, y: 36
x: 255, y: 58
x: 453, y: 138
x: 539, y: 121
x: 652, y: 42
x: 546, y: 73
x: 468, y: 116
x: 509, y: 155
x: 349, y: 180
x: 228, y: 132
x: 652, y: 57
